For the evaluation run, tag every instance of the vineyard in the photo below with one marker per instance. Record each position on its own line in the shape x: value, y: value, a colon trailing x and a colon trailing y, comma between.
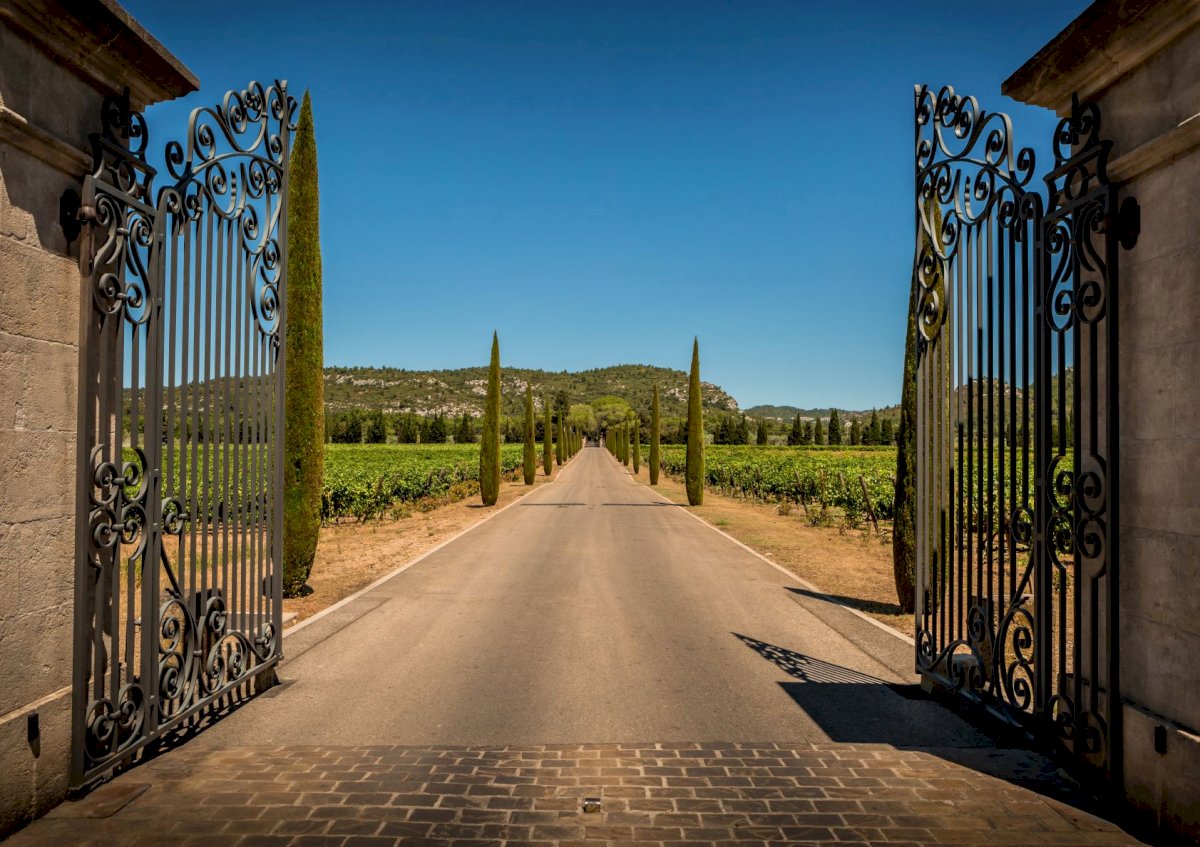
x: 364, y: 481
x: 824, y: 478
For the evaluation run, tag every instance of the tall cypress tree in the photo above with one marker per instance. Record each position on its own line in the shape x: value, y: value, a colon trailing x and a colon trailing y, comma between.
x: 530, y: 451
x: 547, y: 437
x: 874, y: 433
x: 835, y: 427
x: 760, y: 432
x: 818, y: 432
x: 489, y: 445
x: 796, y: 436
x: 558, y: 440
x: 855, y: 432
x: 462, y: 434
x: 655, y: 448
x: 904, y: 528
x: 637, y: 445
x: 304, y: 392
x: 694, y: 467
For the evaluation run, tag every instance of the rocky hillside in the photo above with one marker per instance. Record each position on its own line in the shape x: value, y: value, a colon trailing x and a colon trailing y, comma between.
x: 453, y: 392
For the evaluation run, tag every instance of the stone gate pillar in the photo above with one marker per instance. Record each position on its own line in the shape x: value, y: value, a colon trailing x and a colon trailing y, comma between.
x: 1140, y: 61
x: 58, y: 60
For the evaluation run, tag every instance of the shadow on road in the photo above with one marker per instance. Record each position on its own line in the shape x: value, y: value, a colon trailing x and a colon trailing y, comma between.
x: 857, y: 708
x: 854, y: 707
x: 873, y: 606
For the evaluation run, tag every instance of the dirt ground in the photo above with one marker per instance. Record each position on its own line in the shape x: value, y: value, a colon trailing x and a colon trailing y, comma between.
x: 853, y: 566
x: 353, y: 554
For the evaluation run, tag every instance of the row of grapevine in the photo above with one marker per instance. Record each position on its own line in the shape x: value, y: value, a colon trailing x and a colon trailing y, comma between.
x: 364, y: 481
x: 829, y: 478
x: 837, y: 477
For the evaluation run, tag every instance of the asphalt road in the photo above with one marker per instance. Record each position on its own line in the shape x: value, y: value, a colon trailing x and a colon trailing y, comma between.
x: 592, y: 611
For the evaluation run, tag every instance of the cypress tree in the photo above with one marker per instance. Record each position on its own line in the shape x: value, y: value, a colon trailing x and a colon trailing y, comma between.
x: 818, y: 432
x: 887, y: 432
x: 694, y: 467
x: 637, y: 445
x: 304, y: 392
x: 904, y: 527
x: 835, y: 427
x: 796, y: 436
x: 375, y: 428
x: 462, y: 433
x: 489, y: 445
x: 874, y: 433
x: 655, y: 449
x: 547, y: 454
x: 855, y: 432
x: 438, y: 431
x: 760, y: 432
x: 558, y: 440
x: 530, y: 451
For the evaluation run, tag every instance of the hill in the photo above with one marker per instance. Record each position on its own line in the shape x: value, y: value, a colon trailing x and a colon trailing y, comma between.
x: 453, y: 392
x: 787, y: 413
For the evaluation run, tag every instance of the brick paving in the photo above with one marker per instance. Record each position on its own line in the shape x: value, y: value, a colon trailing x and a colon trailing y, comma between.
x: 655, y: 794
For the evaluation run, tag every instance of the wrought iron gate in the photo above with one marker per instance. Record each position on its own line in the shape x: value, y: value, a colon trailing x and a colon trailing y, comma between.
x: 178, y: 549
x: 1016, y: 421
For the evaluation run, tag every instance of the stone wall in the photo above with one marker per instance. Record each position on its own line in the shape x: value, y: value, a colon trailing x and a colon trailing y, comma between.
x: 57, y: 62
x: 1140, y: 61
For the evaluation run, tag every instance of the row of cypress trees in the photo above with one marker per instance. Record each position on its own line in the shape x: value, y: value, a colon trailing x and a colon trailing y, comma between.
x: 617, y: 439
x: 560, y: 441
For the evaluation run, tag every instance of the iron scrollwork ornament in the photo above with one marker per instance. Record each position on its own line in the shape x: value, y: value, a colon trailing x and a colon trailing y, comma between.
x: 228, y: 173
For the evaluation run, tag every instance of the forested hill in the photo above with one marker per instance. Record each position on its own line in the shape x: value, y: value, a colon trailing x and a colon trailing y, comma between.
x: 453, y: 392
x: 787, y: 413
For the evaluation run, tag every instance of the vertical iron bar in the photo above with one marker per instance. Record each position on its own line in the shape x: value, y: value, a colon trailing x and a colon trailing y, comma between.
x: 87, y: 435
x: 206, y: 567
x: 152, y: 555
x: 277, y: 576
x: 1116, y: 749
x: 238, y: 377
x: 989, y: 588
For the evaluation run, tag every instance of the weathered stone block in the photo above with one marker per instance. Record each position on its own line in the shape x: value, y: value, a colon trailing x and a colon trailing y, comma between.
x: 39, y: 473
x: 1162, y: 786
x: 40, y: 295
x: 36, y: 565
x: 1158, y: 481
x: 1168, y: 216
x: 37, y: 655
x: 39, y: 384
x: 1157, y: 664
x: 1156, y: 300
x: 1155, y: 98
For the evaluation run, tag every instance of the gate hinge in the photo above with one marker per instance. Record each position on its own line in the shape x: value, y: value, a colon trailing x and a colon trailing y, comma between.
x: 69, y: 217
x: 1129, y: 222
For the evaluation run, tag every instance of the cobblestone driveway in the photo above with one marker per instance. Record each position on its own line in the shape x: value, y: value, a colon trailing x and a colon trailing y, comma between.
x: 664, y: 794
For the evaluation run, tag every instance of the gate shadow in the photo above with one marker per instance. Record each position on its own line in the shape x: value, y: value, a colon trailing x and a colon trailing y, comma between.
x: 870, y: 606
x: 854, y: 707
x: 857, y: 708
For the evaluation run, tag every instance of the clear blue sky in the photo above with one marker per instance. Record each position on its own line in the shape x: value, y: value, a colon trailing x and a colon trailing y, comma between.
x: 599, y: 181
